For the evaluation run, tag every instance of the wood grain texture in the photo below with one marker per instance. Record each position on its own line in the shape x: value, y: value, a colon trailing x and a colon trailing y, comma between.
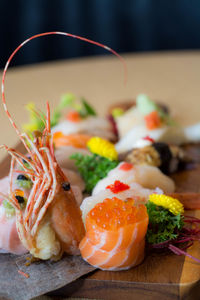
x: 160, y: 276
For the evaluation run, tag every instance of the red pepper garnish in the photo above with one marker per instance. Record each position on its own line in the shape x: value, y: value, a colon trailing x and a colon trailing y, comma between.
x: 148, y: 138
x: 118, y: 187
x: 126, y: 166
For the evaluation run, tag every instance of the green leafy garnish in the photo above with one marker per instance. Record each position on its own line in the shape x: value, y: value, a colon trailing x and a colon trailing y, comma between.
x: 67, y: 100
x: 37, y: 118
x: 163, y: 225
x: 85, y: 109
x: 93, y: 168
x: 145, y: 104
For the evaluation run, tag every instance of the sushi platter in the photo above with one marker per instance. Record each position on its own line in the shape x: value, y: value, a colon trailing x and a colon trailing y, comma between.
x: 104, y: 207
x: 160, y: 276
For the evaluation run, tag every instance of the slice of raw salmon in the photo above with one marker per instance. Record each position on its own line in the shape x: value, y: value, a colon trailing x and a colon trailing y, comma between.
x: 115, y: 234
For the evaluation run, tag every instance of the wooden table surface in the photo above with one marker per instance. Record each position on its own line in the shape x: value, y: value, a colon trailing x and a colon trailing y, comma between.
x: 173, y: 77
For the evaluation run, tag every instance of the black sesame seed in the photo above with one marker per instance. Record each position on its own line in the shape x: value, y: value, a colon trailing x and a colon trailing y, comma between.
x: 66, y: 186
x: 20, y: 199
x: 22, y: 177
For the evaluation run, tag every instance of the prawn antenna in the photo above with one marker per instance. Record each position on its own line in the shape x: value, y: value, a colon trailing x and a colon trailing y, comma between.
x: 41, y: 35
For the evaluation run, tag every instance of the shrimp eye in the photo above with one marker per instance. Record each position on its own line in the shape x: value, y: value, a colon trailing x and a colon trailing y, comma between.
x: 24, y: 161
x: 22, y: 177
x: 20, y: 199
x: 66, y: 186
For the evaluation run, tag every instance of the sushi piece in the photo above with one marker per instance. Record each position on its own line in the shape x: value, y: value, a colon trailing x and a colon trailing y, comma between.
x: 148, y: 177
x: 149, y: 119
x: 81, y: 118
x: 93, y: 126
x: 63, y: 156
x: 168, y: 158
x: 115, y: 235
x: 76, y: 140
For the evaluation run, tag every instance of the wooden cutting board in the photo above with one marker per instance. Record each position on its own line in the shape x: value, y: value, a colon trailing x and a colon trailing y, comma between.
x: 160, y: 276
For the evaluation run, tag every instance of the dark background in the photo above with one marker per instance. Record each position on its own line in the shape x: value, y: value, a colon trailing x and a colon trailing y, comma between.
x: 125, y: 25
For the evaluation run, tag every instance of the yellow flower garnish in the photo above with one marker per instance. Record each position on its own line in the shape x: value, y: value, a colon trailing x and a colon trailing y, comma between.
x: 102, y: 147
x: 172, y: 204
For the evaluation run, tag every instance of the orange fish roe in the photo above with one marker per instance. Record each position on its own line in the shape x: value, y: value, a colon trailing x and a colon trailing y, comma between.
x: 126, y: 166
x: 77, y: 140
x: 73, y: 116
x: 115, y: 235
x: 152, y: 120
x: 118, y: 187
x: 114, y: 213
x: 19, y: 193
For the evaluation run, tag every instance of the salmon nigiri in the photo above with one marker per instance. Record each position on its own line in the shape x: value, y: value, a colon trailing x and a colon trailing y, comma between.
x: 115, y: 235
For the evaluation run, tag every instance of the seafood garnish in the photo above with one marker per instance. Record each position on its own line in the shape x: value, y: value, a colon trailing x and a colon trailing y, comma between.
x: 150, y: 119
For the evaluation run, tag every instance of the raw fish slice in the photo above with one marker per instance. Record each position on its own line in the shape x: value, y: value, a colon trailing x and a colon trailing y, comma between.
x: 91, y: 126
x: 115, y: 235
x: 151, y: 177
x: 77, y: 194
x: 74, y: 178
x: 167, y: 134
x: 147, y: 176
x: 76, y: 140
x: 63, y: 156
x: 192, y: 133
